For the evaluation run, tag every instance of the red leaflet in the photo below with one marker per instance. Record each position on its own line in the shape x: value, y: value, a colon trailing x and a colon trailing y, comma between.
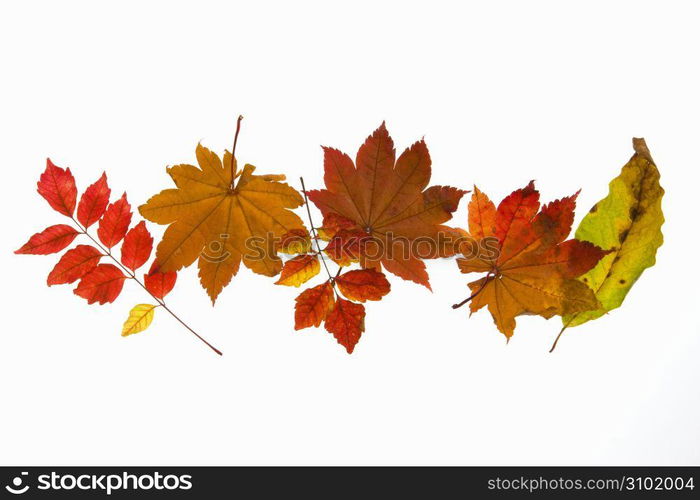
x: 57, y: 186
x: 346, y: 322
x: 332, y: 223
x: 115, y: 222
x: 159, y: 284
x: 103, y: 284
x: 137, y: 246
x: 74, y: 264
x: 51, y: 240
x: 363, y: 284
x: 93, y: 202
x: 347, y: 246
x: 313, y: 305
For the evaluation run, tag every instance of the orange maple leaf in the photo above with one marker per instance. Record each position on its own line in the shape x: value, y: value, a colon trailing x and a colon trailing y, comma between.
x: 529, y: 267
x: 215, y: 213
x: 389, y: 205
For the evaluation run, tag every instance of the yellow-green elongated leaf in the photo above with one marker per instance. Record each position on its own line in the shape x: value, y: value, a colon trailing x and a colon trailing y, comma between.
x: 140, y: 318
x: 628, y: 222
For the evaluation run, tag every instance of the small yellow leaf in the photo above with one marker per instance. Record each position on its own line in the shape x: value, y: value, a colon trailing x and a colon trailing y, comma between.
x: 299, y: 270
x: 140, y: 318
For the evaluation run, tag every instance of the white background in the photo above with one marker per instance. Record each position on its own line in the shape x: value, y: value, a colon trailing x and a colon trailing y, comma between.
x: 503, y: 93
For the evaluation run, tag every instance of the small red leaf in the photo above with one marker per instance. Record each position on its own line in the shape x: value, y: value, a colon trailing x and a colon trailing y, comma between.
x: 103, y: 284
x: 347, y: 246
x: 115, y: 222
x: 57, y: 186
x: 51, y: 240
x: 93, y: 202
x: 313, y: 305
x: 159, y: 284
x: 346, y: 322
x: 332, y: 223
x: 137, y: 246
x: 74, y: 264
x: 363, y: 284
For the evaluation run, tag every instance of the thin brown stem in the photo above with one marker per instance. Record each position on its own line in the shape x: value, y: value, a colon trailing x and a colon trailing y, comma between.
x: 190, y: 329
x: 131, y: 275
x: 481, y: 288
x: 314, y: 234
x: 566, y: 325
x: 233, y: 150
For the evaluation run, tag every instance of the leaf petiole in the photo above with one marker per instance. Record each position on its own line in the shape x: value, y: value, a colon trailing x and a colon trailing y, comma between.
x: 233, y: 150
x: 556, y: 341
x: 489, y: 277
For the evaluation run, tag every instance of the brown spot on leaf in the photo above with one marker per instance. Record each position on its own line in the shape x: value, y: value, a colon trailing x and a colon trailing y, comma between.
x: 593, y: 209
x: 622, y: 282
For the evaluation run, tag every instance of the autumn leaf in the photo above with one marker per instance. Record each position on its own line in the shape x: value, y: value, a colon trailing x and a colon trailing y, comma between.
x: 529, y: 267
x: 297, y: 241
x: 159, y: 284
x: 313, y: 306
x: 93, y: 202
x: 299, y: 270
x: 346, y: 322
x: 57, y: 186
x: 115, y: 222
x: 214, y: 211
x: 332, y: 223
x: 347, y: 246
x: 103, y: 284
x: 361, y: 285
x: 140, y: 318
x: 51, y: 240
x: 74, y: 264
x: 137, y: 246
x: 627, y: 223
x: 389, y: 202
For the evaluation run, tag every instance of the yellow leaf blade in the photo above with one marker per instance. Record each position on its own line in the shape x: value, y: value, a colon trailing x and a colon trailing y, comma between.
x: 299, y: 270
x: 140, y: 318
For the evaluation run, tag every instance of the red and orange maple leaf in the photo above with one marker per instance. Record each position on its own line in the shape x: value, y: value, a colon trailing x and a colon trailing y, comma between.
x: 530, y: 268
x: 385, y: 214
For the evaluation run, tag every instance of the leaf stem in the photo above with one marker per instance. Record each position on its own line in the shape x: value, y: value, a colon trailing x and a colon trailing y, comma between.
x: 314, y: 233
x: 566, y: 325
x: 489, y: 276
x: 130, y: 274
x: 233, y: 149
